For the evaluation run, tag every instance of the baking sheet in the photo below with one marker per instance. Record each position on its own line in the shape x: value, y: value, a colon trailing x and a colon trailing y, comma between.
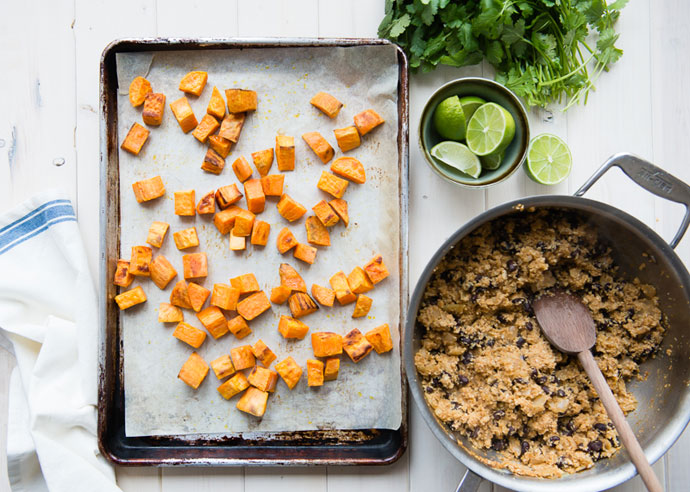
x: 366, y: 395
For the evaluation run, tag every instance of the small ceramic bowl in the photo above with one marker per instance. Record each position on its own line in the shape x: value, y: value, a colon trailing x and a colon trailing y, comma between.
x: 490, y: 91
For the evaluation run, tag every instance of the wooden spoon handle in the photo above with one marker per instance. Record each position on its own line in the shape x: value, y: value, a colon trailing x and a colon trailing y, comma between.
x: 616, y: 415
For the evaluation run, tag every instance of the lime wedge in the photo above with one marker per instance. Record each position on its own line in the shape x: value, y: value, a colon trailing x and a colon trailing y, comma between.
x: 492, y: 161
x: 548, y: 159
x: 449, y: 119
x: 458, y: 156
x: 470, y: 104
x: 490, y: 130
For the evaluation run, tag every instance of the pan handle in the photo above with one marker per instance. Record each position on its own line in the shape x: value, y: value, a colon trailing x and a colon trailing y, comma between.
x: 651, y: 178
x: 470, y: 482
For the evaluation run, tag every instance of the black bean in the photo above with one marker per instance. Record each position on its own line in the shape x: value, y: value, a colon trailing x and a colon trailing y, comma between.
x: 501, y: 317
x: 560, y: 393
x: 540, y: 380
x: 570, y: 427
x: 529, y: 326
x: 498, y: 444
x: 462, y: 380
x: 499, y: 414
x: 429, y: 389
x: 466, y: 357
x: 600, y: 427
x: 520, y: 342
x: 519, y: 381
x: 553, y: 440
x: 524, y: 447
x: 546, y: 389
x: 595, y: 446
x: 561, y: 462
x: 511, y: 265
x: 436, y: 382
x: 533, y: 373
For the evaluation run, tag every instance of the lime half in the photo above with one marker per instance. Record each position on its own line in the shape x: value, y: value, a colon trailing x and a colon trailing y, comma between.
x: 490, y: 130
x: 470, y: 104
x: 548, y: 159
x: 458, y: 156
x: 492, y: 161
x: 449, y: 119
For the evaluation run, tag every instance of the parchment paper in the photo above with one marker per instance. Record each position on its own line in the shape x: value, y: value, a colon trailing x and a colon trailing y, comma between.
x: 366, y: 395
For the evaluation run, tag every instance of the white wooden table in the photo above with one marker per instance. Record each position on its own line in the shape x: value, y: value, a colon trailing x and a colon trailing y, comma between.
x: 50, y: 52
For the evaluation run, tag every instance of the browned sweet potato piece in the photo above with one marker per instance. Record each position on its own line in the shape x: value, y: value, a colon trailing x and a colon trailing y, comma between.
x: 197, y: 295
x: 253, y: 402
x: 179, y: 296
x: 135, y: 139
x: 194, y: 371
x: 350, y: 168
x: 362, y: 306
x: 225, y: 297
x: 231, y: 126
x: 316, y: 232
x: 130, y: 298
x: 216, y: 105
x: 359, y: 281
x: 239, y: 327
x: 305, y: 253
x: 285, y: 241
x: 291, y: 279
x: 319, y: 145
x: 162, y: 272
x: 221, y: 145
x: 195, y: 265
x: 332, y: 184
x: 242, y: 357
x: 246, y: 283
x: 263, y: 379
x: 233, y: 386
x: 228, y: 195
x: 139, y: 88
x: 380, y: 338
x: 242, y: 169
x: 289, y: 371
x: 207, y: 204
x: 244, y: 223
x: 186, y: 238
x: 263, y: 354
x: 325, y: 213
x: 314, y: 372
x: 330, y: 372
x: 240, y: 100
x: 347, y: 138
x: 148, y: 189
x: 260, y: 233
x: 157, y: 233
x: 213, y: 162
x: 194, y: 82
x: 356, y: 346
x: 189, y: 334
x: 222, y: 366
x: 205, y: 128
x: 301, y: 304
x: 376, y: 269
x: 292, y: 328
x: 367, y: 121
x: 323, y: 295
x: 290, y: 209
x: 339, y: 206
x: 263, y: 160
x: 122, y: 276
x: 140, y: 260
x: 280, y: 294
x: 184, y: 203
x: 328, y: 104
x: 167, y: 313
x: 326, y: 344
x: 273, y: 184
x: 252, y: 306
x: 184, y: 114
x: 237, y: 243
x: 225, y: 219
x: 213, y: 320
x: 285, y: 152
x: 342, y: 289
x: 254, y: 194
x: 154, y: 106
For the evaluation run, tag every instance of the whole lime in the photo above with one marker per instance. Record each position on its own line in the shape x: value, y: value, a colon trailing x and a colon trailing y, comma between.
x: 449, y: 119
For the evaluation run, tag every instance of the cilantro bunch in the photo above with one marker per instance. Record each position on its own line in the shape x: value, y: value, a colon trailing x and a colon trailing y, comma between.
x: 543, y: 50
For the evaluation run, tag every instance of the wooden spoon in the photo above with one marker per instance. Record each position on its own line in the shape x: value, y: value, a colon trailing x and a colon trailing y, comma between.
x: 569, y: 326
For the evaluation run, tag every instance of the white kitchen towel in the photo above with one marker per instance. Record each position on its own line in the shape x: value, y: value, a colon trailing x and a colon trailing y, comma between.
x: 48, y: 311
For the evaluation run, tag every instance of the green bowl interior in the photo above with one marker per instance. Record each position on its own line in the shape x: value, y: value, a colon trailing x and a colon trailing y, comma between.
x: 490, y: 92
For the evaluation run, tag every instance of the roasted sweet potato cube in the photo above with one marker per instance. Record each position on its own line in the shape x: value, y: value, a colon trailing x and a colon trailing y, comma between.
x: 305, y: 253
x: 184, y: 203
x: 135, y: 139
x: 252, y: 306
x: 205, y: 128
x: 242, y: 357
x: 289, y: 371
x: 356, y: 346
x: 240, y: 100
x: 122, y: 276
x: 323, y: 295
x: 260, y: 233
x: 154, y: 106
x: 222, y: 366
x: 314, y: 372
x: 184, y: 114
x: 326, y: 344
x: 289, y: 208
x: 228, y: 195
x: 301, y: 304
x: 263, y: 160
x: 189, y: 334
x: 186, y: 238
x: 246, y: 283
x: 292, y: 328
x: 237, y: 243
x: 253, y: 402
x: 244, y: 223
x: 216, y: 105
x: 139, y: 88
x: 254, y: 194
x: 197, y: 295
x: 347, y: 138
x: 194, y: 371
x: 242, y: 169
x: 380, y: 338
x: 342, y: 289
x: 167, y: 313
x: 148, y: 189
x: 367, y: 121
x: 213, y: 320
x: 376, y: 269
x: 332, y: 184
x: 359, y: 281
x: 221, y: 145
x: 285, y: 241
x: 231, y: 126
x: 285, y: 153
x: 213, y: 162
x: 339, y: 206
x: 317, y: 232
x: 239, y: 327
x: 349, y: 168
x: 330, y: 371
x: 280, y: 294
x: 291, y: 279
x: 225, y: 219
x: 319, y: 145
x: 233, y: 386
x: 263, y: 379
x: 325, y: 213
x: 179, y: 296
x: 225, y: 297
x: 207, y: 204
x: 263, y: 354
x: 328, y: 104
x: 157, y: 233
x: 140, y: 261
x: 195, y: 265
x: 130, y: 298
x: 194, y: 82
x: 273, y: 184
x: 162, y: 272
x: 362, y: 306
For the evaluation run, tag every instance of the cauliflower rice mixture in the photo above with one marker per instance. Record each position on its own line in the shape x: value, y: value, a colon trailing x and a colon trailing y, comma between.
x: 489, y: 373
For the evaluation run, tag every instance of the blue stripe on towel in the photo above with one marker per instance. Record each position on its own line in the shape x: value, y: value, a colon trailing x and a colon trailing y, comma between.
x: 33, y: 212
x: 35, y: 222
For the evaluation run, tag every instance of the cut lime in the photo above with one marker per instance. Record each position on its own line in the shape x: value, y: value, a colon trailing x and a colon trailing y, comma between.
x: 548, y: 159
x: 470, y: 104
x: 458, y: 156
x: 490, y: 130
x: 449, y: 119
x: 492, y: 161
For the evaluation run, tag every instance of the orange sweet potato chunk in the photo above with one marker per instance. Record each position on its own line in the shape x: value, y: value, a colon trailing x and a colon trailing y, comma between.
x: 325, y: 213
x: 349, y: 168
x: 285, y: 152
x: 356, y: 346
x: 184, y: 114
x: 194, y: 371
x: 314, y: 372
x: 342, y: 289
x: 254, y: 194
x: 328, y: 104
x: 162, y: 272
x: 179, y: 296
x: 246, y: 283
x: 221, y: 145
x: 122, y: 276
x: 225, y: 297
x: 239, y: 327
x: 253, y: 402
x: 330, y: 371
x: 319, y: 145
x: 231, y: 126
x: 207, y: 204
x: 216, y: 105
x: 347, y: 138
x: 362, y: 306
x: 184, y: 203
x: 290, y: 209
x: 339, y: 206
x: 130, y: 298
x: 213, y: 162
x: 301, y: 304
x: 263, y: 379
x: 252, y: 306
x: 376, y: 269
x: 263, y: 160
x: 241, y: 100
x: 367, y: 121
x: 316, y: 232
x: 359, y: 281
x: 242, y: 169
x: 194, y: 82
x: 280, y: 294
x: 242, y: 357
x: 380, y: 338
x: 189, y: 334
x: 195, y: 265
x: 332, y: 184
x: 167, y: 313
x: 213, y: 320
x: 205, y: 128
x: 273, y: 184
x: 260, y: 233
x: 289, y: 371
x: 233, y: 386
x: 263, y: 354
x: 244, y: 223
x: 323, y: 295
x: 186, y: 238
x: 326, y: 344
x: 197, y: 295
x: 225, y: 219
x: 291, y: 279
x: 148, y: 189
x: 222, y: 366
x: 157, y: 233
x: 237, y: 243
x: 135, y: 139
x: 292, y: 328
x: 305, y: 253
x: 154, y: 106
x: 139, y: 88
x: 228, y: 195
x: 285, y: 241
x: 140, y: 261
